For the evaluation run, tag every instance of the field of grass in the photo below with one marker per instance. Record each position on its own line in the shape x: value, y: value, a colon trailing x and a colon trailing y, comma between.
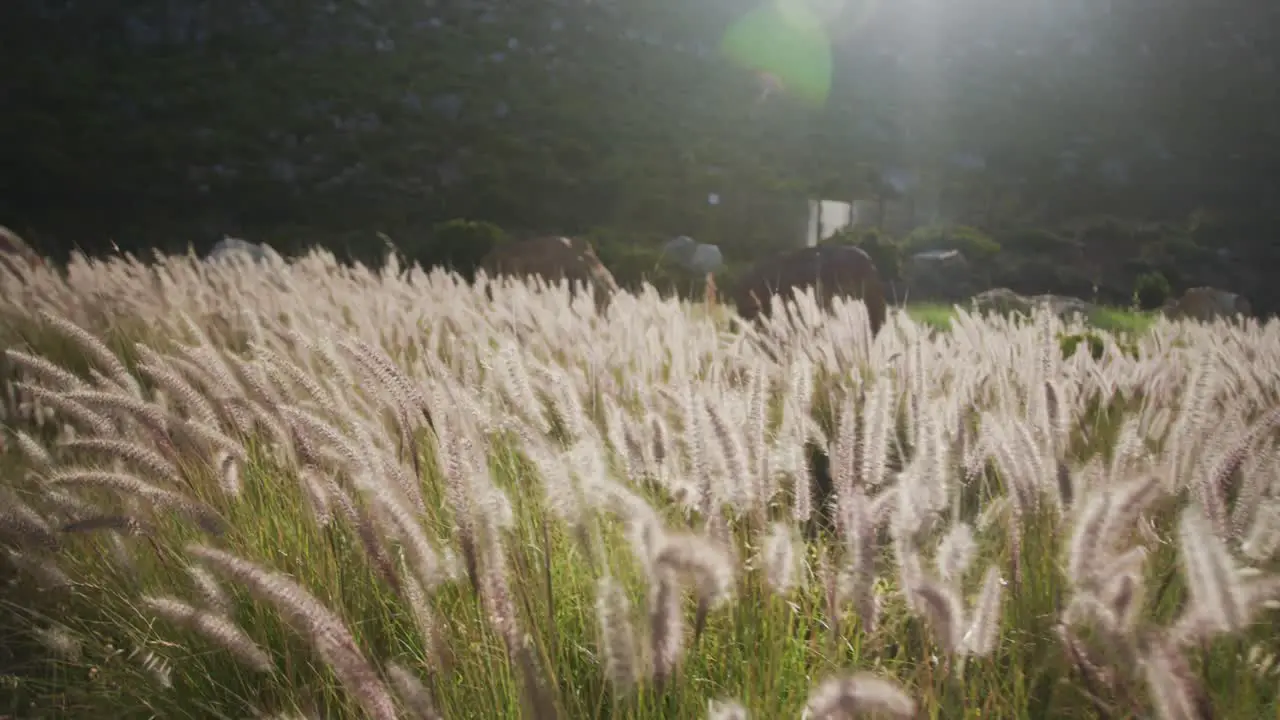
x: 311, y: 491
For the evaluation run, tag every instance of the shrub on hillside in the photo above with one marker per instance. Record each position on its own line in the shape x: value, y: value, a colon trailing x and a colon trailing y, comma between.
x: 1040, y: 274
x: 884, y: 251
x: 1177, y: 257
x: 458, y: 245
x: 632, y: 258
x: 1108, y: 235
x: 1151, y: 290
x: 1039, y: 243
x: 1070, y: 343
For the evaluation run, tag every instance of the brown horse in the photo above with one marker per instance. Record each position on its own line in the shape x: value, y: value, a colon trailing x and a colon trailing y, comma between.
x: 553, y: 258
x: 832, y: 269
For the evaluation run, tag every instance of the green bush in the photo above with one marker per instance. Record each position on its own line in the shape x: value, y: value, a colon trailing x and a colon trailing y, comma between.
x: 1039, y: 242
x: 1176, y: 252
x: 1097, y: 344
x: 458, y: 245
x: 1106, y: 234
x: 632, y: 265
x: 1151, y: 290
x: 884, y: 251
x: 1069, y: 343
x: 1034, y: 274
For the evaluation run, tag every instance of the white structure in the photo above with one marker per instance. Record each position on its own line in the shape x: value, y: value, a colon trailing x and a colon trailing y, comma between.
x: 826, y: 218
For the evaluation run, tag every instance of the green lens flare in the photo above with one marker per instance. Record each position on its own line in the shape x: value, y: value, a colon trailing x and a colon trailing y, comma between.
x: 785, y: 39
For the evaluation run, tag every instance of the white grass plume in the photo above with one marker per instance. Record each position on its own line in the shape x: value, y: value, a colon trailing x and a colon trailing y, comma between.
x: 325, y: 630
x: 856, y: 694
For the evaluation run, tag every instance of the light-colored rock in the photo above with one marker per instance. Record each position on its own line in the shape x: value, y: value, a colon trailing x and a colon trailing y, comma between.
x: 706, y: 258
x: 1065, y: 305
x: 680, y: 249
x: 1001, y: 301
x: 700, y: 258
x: 1206, y: 304
x: 943, y: 258
x: 230, y: 247
x: 237, y: 252
x: 1004, y: 301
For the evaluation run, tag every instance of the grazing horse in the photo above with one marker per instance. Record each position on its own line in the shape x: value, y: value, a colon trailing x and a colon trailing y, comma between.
x: 832, y: 269
x: 553, y: 258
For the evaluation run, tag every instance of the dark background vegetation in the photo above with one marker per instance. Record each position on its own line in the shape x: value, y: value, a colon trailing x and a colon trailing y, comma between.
x: 1119, y: 140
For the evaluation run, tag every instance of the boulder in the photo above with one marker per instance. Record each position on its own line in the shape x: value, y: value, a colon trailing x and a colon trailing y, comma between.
x: 831, y: 269
x: 698, y: 258
x: 553, y: 259
x: 1004, y: 301
x: 234, y: 251
x: 680, y: 249
x: 1001, y: 301
x: 938, y: 276
x: 1206, y: 304
x: 706, y: 259
x: 230, y: 247
x: 1064, y: 305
